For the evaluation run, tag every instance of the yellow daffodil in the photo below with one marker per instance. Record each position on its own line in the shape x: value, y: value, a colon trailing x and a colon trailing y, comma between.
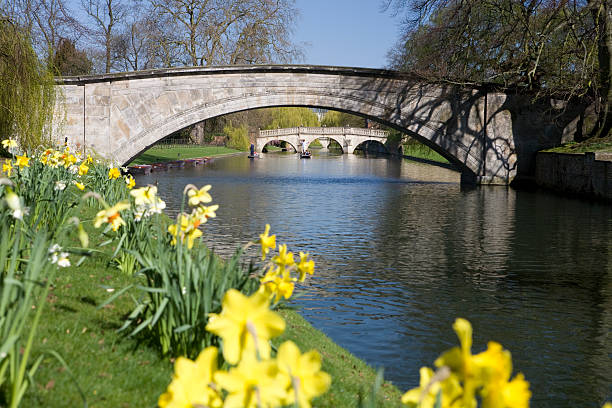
x: 129, y: 182
x: 144, y: 195
x: 89, y: 160
x: 277, y: 284
x: 83, y: 169
x: 7, y: 167
x: 495, y: 366
x: 9, y: 143
x: 201, y: 196
x: 185, y: 228
x: 22, y: 161
x: 204, y: 213
x: 426, y: 394
x: 245, y: 324
x: 305, y: 266
x: 190, y: 386
x: 78, y: 185
x: 460, y: 361
x: 266, y: 241
x: 111, y: 216
x: 253, y: 384
x: 283, y: 259
x: 304, y: 370
x: 114, y: 173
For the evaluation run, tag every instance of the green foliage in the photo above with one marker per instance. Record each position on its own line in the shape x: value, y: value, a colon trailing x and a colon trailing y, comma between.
x: 238, y: 137
x: 340, y: 119
x: 69, y: 61
x: 162, y: 154
x: 292, y: 117
x: 27, y: 92
x: 23, y: 288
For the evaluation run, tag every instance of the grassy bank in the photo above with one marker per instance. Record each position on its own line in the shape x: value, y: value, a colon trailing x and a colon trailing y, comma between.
x: 590, y: 145
x: 421, y: 151
x: 159, y: 154
x: 115, y: 371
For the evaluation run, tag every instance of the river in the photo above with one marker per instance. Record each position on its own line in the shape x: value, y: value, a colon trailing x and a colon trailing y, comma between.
x: 402, y: 249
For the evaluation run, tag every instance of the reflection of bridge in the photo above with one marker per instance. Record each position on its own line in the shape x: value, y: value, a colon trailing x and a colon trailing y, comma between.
x: 347, y: 137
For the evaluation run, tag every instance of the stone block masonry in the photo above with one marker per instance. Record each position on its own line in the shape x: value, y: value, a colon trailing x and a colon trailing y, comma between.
x: 588, y: 174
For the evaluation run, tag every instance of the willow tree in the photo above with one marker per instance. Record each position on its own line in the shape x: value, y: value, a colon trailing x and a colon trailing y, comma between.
x: 27, y: 94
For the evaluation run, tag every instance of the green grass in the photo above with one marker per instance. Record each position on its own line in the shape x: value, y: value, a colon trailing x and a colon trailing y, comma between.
x: 116, y: 371
x: 423, y: 152
x: 158, y: 154
x: 589, y: 145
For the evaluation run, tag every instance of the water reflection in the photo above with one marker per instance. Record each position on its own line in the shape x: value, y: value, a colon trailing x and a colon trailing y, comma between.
x: 402, y: 249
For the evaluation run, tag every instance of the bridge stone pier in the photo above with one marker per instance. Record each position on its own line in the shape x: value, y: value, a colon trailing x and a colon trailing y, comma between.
x: 347, y: 137
x: 490, y: 136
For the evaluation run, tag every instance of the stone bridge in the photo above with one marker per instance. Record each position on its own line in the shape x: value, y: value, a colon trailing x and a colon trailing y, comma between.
x: 490, y: 136
x: 347, y: 137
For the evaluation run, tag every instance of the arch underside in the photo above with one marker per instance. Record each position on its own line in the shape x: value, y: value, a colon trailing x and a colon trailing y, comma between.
x: 378, y: 142
x: 280, y: 139
x: 462, y: 156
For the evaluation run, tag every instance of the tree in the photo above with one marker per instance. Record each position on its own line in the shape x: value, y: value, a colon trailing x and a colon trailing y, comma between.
x: 556, y: 48
x: 105, y: 15
x: 27, y: 91
x: 340, y: 119
x: 69, y: 61
x: 291, y: 117
x: 216, y: 32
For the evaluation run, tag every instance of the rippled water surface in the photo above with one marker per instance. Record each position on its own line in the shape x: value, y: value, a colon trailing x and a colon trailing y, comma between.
x: 402, y: 249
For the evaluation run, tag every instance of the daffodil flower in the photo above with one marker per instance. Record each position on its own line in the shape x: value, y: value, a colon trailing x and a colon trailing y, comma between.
x: 253, y: 384
x: 22, y: 161
x: 114, y: 173
x: 304, y: 370
x: 60, y: 185
x: 201, y: 196
x: 245, y: 324
x: 283, y: 259
x: 14, y: 203
x: 204, y: 213
x: 190, y: 386
x: 277, y: 283
x: 7, y: 167
x: 83, y: 169
x: 9, y: 143
x: 111, y: 216
x: 426, y: 394
x: 266, y: 241
x: 78, y: 185
x: 305, y: 266
x: 129, y: 181
x: 144, y: 195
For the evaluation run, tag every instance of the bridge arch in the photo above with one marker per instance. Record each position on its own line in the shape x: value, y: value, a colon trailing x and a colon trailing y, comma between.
x: 281, y: 139
x: 120, y: 115
x: 373, y: 141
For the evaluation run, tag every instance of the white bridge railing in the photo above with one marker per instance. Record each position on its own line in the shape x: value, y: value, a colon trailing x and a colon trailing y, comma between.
x: 324, y: 131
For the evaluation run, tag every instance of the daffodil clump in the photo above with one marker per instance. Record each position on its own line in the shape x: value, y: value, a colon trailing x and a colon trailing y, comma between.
x: 186, y: 228
x: 279, y: 281
x: 251, y: 377
x: 462, y: 378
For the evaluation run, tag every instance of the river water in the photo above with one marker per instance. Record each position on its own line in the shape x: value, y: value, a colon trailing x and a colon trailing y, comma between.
x: 402, y: 249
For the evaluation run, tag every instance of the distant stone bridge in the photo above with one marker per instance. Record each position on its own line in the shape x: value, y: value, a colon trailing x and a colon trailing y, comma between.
x: 490, y: 136
x: 347, y: 137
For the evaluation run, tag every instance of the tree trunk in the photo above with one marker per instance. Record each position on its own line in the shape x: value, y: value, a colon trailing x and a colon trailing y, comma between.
x: 604, y: 53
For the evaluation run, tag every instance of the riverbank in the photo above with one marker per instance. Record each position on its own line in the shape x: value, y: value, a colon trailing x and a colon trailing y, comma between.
x: 419, y: 151
x: 111, y: 368
x: 161, y: 154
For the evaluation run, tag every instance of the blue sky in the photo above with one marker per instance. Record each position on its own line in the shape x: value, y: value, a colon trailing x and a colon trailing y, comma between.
x: 352, y: 33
